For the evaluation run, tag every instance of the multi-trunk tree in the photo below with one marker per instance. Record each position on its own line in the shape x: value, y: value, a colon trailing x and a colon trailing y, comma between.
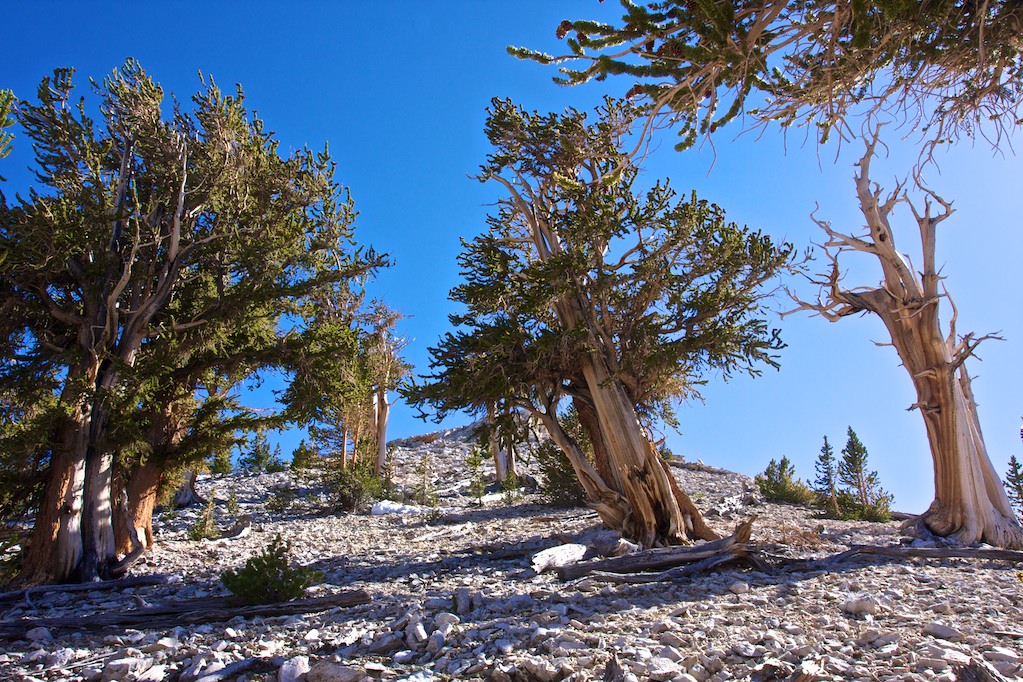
x: 948, y: 68
x: 590, y: 290
x: 134, y: 215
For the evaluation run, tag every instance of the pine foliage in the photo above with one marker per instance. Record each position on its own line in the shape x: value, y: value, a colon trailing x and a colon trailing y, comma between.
x: 862, y: 496
x: 778, y: 483
x: 268, y: 577
x: 825, y: 484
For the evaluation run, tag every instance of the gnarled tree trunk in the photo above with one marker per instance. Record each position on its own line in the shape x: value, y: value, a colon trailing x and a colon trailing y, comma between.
x: 970, y: 504
x: 55, y: 546
x: 140, y: 495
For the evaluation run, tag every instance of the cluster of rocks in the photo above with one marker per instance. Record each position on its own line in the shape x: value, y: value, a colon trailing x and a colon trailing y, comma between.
x: 453, y: 599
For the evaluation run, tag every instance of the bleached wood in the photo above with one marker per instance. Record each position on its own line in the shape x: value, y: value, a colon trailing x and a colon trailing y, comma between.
x: 970, y: 505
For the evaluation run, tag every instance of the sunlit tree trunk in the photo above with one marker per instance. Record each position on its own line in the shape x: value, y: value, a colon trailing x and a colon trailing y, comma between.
x: 383, y: 411
x: 500, y: 468
x: 55, y: 546
x: 970, y: 504
x: 141, y: 492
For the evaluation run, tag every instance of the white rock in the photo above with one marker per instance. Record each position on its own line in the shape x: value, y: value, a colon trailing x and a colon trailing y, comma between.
x: 293, y: 669
x: 860, y: 604
x: 327, y: 670
x: 738, y: 587
x: 942, y: 631
x: 660, y: 669
x: 39, y: 635
x: 121, y: 668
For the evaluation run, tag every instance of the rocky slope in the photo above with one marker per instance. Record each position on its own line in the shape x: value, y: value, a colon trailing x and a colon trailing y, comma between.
x: 448, y: 603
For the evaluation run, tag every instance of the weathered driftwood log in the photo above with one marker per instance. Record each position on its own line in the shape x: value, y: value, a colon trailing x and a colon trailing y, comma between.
x: 928, y: 553
x: 136, y: 581
x: 183, y: 613
x: 733, y: 546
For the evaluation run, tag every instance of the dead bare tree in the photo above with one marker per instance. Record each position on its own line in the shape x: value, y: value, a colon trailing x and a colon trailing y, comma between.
x: 970, y: 504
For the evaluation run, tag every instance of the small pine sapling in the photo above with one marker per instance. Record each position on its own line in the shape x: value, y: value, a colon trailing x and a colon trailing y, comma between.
x: 424, y: 493
x: 1014, y: 486
x: 864, y: 497
x: 268, y: 577
x: 234, y: 508
x: 825, y: 484
x: 778, y: 483
x: 477, y: 485
x: 559, y: 485
x: 205, y: 526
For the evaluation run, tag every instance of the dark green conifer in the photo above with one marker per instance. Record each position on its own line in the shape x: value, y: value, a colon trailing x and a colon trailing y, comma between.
x: 825, y: 485
x: 864, y: 496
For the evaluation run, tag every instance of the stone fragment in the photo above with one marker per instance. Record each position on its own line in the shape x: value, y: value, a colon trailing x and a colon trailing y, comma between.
x: 386, y: 643
x: 444, y: 618
x: 942, y: 631
x: 999, y: 653
x: 738, y: 587
x: 660, y: 669
x: 435, y: 643
x: 121, y: 668
x: 860, y: 604
x: 39, y: 635
x: 293, y: 669
x: 327, y: 670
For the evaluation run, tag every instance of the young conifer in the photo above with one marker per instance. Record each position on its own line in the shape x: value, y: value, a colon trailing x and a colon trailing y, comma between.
x: 863, y: 487
x: 825, y: 485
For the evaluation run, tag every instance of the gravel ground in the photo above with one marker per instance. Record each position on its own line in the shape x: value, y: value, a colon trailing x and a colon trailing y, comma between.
x: 448, y: 604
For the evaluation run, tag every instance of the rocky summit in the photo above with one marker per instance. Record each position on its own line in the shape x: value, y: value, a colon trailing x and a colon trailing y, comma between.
x: 453, y: 594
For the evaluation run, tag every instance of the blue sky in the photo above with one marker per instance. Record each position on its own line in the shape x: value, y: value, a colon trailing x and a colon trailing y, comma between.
x: 399, y: 91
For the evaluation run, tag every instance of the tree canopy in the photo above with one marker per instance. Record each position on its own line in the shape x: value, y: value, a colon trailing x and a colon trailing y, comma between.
x: 159, y: 259
x: 952, y: 66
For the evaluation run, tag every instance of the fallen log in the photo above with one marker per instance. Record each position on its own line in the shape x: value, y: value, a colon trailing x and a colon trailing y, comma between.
x: 928, y: 553
x: 135, y: 581
x: 733, y: 546
x: 191, y: 612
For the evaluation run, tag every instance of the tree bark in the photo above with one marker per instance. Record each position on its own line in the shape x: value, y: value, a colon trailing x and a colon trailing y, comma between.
x: 141, y: 491
x: 383, y: 411
x: 55, y: 547
x: 500, y: 470
x: 970, y: 504
x: 344, y: 447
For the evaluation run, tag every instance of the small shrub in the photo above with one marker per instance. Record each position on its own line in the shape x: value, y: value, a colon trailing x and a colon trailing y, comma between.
x: 425, y: 438
x: 205, y: 526
x: 268, y: 577
x: 276, y: 464
x: 424, y: 493
x: 560, y: 485
x: 778, y: 484
x: 879, y: 512
x: 233, y: 506
x: 511, y: 488
x: 282, y: 499
x: 477, y: 485
x: 354, y: 487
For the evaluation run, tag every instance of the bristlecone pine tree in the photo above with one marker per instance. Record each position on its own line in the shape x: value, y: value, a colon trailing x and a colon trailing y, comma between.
x: 825, y: 484
x: 156, y: 234
x: 589, y: 289
x: 948, y: 69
